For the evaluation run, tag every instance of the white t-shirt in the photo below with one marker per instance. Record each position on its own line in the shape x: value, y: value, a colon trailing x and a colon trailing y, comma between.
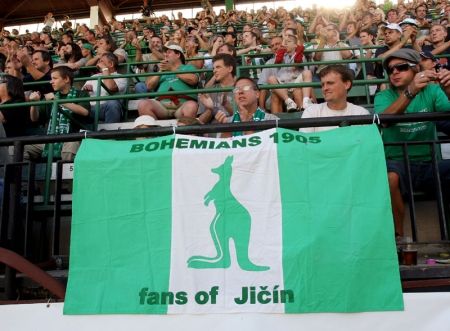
x: 267, y: 72
x: 120, y: 82
x: 322, y: 110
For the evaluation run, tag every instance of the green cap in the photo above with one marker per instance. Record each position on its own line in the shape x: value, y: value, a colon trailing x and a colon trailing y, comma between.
x: 88, y: 46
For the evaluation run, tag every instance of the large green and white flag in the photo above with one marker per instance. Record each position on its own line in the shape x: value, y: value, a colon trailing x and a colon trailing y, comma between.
x: 276, y: 222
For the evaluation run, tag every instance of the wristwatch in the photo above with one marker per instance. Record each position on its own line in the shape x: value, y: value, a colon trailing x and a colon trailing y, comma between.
x: 408, y: 94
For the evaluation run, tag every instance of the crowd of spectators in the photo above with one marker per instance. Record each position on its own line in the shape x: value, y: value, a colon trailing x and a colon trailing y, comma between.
x: 412, y: 39
x: 253, y: 38
x: 422, y: 25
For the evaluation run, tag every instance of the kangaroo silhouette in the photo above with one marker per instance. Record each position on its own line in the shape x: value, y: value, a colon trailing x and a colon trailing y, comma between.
x: 231, y: 221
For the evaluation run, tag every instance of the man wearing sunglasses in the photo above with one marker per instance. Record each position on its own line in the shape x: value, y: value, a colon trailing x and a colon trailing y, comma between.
x: 411, y: 92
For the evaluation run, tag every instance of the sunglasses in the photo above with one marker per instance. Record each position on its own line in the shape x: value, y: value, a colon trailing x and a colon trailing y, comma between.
x: 244, y: 88
x: 401, y: 67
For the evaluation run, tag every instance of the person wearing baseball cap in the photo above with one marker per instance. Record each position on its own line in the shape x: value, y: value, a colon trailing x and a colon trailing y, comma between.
x: 170, y: 106
x: 409, y: 21
x: 428, y: 61
x: 177, y: 49
x: 230, y: 38
x: 87, y: 50
x: 411, y: 92
x: 392, y: 42
x: 144, y: 121
x: 411, y: 32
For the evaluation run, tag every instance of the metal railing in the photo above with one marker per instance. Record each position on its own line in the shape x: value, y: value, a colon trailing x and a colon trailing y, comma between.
x: 55, y: 103
x: 13, y: 217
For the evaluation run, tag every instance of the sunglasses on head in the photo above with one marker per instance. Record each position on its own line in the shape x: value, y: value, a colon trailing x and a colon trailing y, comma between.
x: 400, y: 67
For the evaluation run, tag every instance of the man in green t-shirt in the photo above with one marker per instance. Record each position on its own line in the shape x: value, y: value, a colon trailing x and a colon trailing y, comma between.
x: 411, y: 92
x: 134, y: 47
x: 170, y: 106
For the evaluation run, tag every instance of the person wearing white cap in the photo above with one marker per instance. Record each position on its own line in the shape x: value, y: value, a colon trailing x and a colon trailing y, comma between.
x: 409, y: 21
x: 411, y: 92
x: 144, y: 121
x: 393, y: 41
x: 170, y: 106
x: 411, y: 33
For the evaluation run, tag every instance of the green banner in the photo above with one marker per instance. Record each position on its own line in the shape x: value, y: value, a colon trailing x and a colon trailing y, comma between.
x: 275, y: 222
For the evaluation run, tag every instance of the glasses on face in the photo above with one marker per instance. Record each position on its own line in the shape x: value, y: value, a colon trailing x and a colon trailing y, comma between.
x: 244, y: 88
x: 400, y: 67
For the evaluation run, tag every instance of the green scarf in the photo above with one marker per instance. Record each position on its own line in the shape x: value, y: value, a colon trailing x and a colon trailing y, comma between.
x: 258, y: 116
x: 62, y: 124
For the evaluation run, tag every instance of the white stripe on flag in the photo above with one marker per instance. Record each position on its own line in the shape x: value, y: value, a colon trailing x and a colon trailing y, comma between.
x: 255, y: 185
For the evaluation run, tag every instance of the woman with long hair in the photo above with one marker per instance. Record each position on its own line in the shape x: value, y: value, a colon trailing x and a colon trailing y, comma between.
x: 15, y: 120
x: 179, y: 37
x: 215, y: 43
x: 71, y: 56
x: 192, y: 48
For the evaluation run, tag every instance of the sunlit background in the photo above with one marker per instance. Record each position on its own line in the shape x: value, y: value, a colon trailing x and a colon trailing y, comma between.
x: 191, y: 12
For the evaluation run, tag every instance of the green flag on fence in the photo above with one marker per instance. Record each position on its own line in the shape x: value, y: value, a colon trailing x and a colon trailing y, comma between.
x: 277, y: 222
